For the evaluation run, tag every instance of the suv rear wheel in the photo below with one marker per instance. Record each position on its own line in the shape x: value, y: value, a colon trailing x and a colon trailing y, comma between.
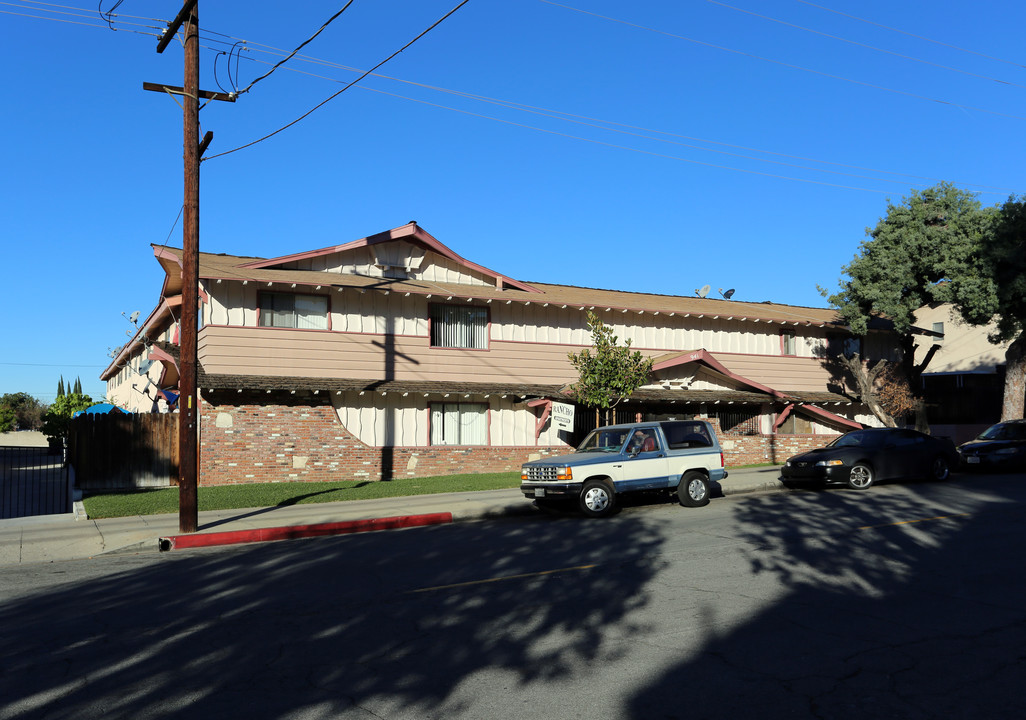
x: 693, y: 489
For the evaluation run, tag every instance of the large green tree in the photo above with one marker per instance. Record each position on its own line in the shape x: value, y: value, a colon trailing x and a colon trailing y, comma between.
x: 933, y: 236
x: 611, y: 374
x: 7, y: 418
x: 25, y: 410
x: 994, y: 290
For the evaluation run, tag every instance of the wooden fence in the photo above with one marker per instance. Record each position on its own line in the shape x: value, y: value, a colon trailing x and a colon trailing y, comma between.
x: 121, y: 451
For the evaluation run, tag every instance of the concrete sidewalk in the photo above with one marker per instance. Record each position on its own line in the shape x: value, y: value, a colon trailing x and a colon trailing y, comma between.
x: 50, y: 538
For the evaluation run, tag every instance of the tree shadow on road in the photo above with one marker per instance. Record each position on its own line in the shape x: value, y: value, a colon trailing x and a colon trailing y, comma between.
x: 877, y: 604
x: 376, y: 623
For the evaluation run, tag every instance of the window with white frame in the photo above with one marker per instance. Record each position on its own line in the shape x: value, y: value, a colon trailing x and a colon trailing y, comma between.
x: 459, y: 326
x: 788, y: 343
x: 459, y: 424
x: 293, y: 310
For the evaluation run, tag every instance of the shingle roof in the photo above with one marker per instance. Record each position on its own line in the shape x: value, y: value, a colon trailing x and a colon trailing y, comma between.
x: 229, y: 267
x: 274, y: 383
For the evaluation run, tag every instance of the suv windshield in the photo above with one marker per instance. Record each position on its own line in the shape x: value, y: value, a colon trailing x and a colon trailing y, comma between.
x: 603, y: 441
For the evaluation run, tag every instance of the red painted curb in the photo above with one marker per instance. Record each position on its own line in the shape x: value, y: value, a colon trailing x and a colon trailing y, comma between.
x: 235, y: 537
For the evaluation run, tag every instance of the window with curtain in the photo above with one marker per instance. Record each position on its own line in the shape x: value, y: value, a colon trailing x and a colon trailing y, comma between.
x: 788, y: 344
x: 459, y: 424
x: 292, y: 310
x: 459, y: 326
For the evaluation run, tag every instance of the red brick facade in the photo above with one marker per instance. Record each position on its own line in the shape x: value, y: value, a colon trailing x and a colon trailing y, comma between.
x: 256, y: 437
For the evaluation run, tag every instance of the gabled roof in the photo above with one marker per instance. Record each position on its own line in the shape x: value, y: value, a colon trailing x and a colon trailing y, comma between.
x: 410, y: 232
x: 263, y: 270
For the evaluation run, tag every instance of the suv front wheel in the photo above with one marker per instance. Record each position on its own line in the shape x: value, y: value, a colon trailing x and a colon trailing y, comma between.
x: 597, y: 498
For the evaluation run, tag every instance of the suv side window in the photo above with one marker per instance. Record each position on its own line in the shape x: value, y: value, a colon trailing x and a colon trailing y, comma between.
x: 682, y: 435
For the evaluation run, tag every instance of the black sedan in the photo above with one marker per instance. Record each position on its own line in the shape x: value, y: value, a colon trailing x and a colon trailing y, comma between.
x: 999, y: 447
x: 863, y: 457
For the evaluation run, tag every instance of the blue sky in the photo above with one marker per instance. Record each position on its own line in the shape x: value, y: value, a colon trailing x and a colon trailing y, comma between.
x: 653, y: 147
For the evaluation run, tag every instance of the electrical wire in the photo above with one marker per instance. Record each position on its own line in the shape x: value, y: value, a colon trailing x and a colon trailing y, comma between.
x: 234, y: 83
x: 109, y: 14
x: 332, y: 97
x: 792, y: 66
x: 864, y: 45
x: 78, y: 13
x: 301, y: 46
x: 910, y: 34
x: 649, y: 152
x: 608, y: 125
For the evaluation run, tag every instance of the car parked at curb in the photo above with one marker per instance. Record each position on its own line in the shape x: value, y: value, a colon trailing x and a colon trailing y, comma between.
x: 864, y: 457
x: 999, y: 447
x: 673, y: 455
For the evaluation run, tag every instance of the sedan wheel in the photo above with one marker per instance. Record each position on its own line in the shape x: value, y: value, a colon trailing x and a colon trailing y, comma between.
x: 860, y: 477
x: 940, y: 469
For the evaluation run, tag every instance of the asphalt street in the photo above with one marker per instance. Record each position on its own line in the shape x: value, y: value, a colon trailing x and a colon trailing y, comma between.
x: 903, y: 601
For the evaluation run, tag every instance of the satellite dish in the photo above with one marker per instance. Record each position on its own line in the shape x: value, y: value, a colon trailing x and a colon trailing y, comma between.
x: 703, y: 291
x: 133, y: 317
x: 144, y: 366
x: 728, y: 294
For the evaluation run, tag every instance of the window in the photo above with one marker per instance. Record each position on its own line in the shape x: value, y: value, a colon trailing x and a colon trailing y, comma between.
x: 683, y: 435
x: 788, y: 344
x: 846, y: 345
x: 459, y: 326
x: 459, y: 424
x: 795, y: 424
x: 289, y: 310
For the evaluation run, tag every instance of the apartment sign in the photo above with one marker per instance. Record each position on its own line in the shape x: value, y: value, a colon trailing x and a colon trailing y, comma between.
x: 563, y: 416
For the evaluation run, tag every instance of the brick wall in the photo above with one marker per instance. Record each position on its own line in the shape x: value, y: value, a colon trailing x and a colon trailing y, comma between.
x: 260, y: 437
x: 278, y: 437
x: 740, y: 448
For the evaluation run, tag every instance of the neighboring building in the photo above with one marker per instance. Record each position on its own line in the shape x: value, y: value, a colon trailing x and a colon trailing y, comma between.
x: 964, y: 381
x: 394, y: 356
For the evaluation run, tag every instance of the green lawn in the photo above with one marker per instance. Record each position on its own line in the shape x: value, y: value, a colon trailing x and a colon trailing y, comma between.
x: 234, y: 497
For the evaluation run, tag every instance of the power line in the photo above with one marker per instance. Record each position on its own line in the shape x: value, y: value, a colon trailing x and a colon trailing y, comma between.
x: 643, y: 152
x: 301, y: 46
x: 65, y: 10
x: 864, y: 45
x: 332, y: 97
x: 60, y: 365
x: 910, y: 34
x: 792, y: 66
x: 608, y: 125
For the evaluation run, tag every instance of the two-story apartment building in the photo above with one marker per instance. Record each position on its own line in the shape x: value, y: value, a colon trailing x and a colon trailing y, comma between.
x: 394, y: 356
x: 963, y: 384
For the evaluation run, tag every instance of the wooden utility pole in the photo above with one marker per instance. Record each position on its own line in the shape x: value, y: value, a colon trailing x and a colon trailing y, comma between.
x: 188, y: 399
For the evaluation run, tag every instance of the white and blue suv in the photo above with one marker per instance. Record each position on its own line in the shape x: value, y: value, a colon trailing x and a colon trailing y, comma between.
x: 681, y: 455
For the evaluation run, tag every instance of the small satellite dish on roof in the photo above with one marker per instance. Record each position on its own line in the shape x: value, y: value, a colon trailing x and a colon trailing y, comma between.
x: 133, y: 317
x: 702, y: 291
x: 728, y: 294
x: 144, y: 366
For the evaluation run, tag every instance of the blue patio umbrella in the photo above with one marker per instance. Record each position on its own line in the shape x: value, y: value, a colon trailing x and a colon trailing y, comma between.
x: 99, y: 409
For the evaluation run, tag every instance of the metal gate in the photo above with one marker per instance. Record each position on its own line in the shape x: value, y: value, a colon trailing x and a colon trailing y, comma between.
x: 33, y: 481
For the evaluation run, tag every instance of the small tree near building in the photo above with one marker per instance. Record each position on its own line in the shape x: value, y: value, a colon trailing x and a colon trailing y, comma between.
x: 57, y: 420
x: 611, y: 374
